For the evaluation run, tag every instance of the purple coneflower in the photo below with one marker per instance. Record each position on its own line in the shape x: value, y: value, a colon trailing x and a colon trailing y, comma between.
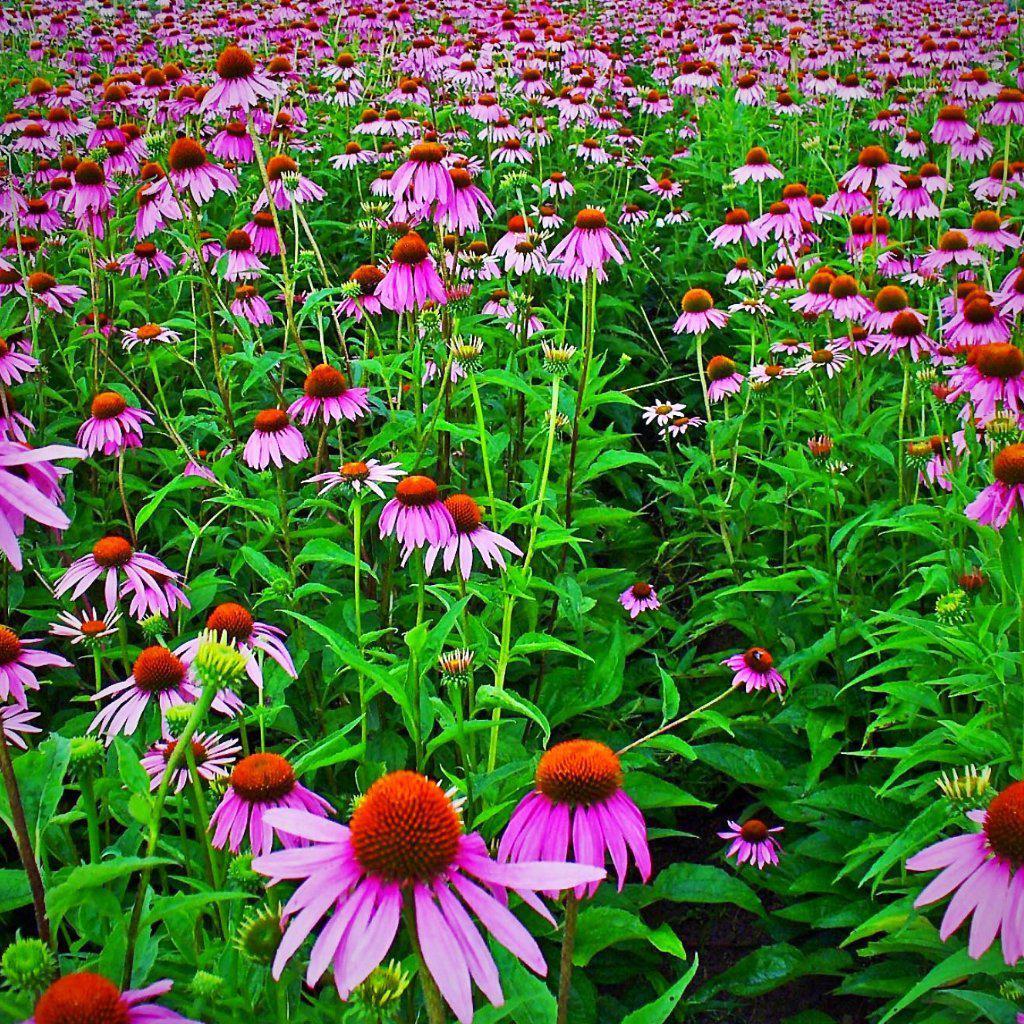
x: 416, y: 515
x: 756, y: 167
x: 873, y: 170
x: 724, y: 378
x: 587, y: 248
x: 327, y: 396
x: 753, y: 842
x: 406, y: 842
x: 239, y: 87
x: 18, y: 663
x: 213, y: 755
x: 355, y: 476
x: 258, y: 784
x: 997, y: 502
x: 194, y: 176
x: 91, y: 998
x: 412, y: 279
x: 638, y: 598
x: 113, y: 425
x: 469, y: 536
x: 274, y: 440
x: 698, y: 313
x: 755, y: 670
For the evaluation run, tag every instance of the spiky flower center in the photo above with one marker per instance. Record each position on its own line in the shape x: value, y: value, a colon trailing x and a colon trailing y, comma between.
x: 353, y: 471
x: 641, y: 590
x: 697, y: 300
x: 279, y: 165
x: 82, y: 998
x: 88, y: 172
x: 998, y: 360
x: 757, y: 659
x: 844, y: 287
x: 156, y: 669
x: 1004, y: 823
x: 261, y: 778
x: 591, y: 220
x: 367, y: 277
x: 186, y: 155
x: 873, y: 157
x: 720, y: 368
x: 10, y: 645
x: 1008, y: 465
x: 405, y: 829
x: 324, y: 381
x: 891, y: 299
x: 416, y: 491
x: 235, y: 63
x: 238, y: 241
x: 954, y: 241
x: 579, y: 773
x: 271, y: 421
x: 737, y: 218
x: 754, y: 831
x: 757, y: 157
x: 465, y: 511
x: 233, y: 619
x: 112, y: 552
x: 410, y: 250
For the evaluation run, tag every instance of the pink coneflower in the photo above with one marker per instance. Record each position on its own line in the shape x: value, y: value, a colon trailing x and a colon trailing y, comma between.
x: 951, y: 126
x: 462, y: 213
x: 906, y: 330
x: 558, y: 186
x: 587, y: 248
x: 578, y: 809
x: 423, y: 181
x: 15, y: 360
x: 845, y: 301
x: 470, y: 536
x: 753, y: 843
x: 780, y: 222
x: 977, y: 322
x: 16, y: 723
x: 213, y: 755
x: 249, y: 305
x: 816, y: 299
x: 982, y: 869
x: 364, y: 302
x: 88, y: 199
x: 30, y: 489
x: 18, y: 664
x: 755, y: 670
x: 327, y: 396
x: 146, y: 259
x: 873, y: 170
x: 640, y: 597
x: 737, y: 228
x: 724, y: 378
x: 239, y: 87
x: 412, y: 279
x: 149, y: 334
x: 1008, y: 108
x: 114, y: 558
x: 416, y: 515
x: 698, y: 313
x: 193, y: 174
x: 661, y: 412
x: 757, y: 167
x: 406, y: 842
x: 990, y: 229
x: 890, y: 301
x: 91, y: 999
x: 263, y: 235
x: 233, y: 143
x: 274, y: 440
x: 679, y: 425
x: 113, y: 425
x: 287, y: 185
x: 156, y: 674
x: 993, y: 377
x: 242, y: 263
x: 828, y: 358
x: 45, y: 291
x: 249, y: 635
x: 955, y: 250
x: 355, y: 476
x: 260, y: 783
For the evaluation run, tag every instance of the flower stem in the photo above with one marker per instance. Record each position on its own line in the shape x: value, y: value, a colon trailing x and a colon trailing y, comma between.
x: 676, y: 721
x: 482, y: 431
x: 19, y: 827
x: 92, y: 821
x: 572, y: 909
x: 357, y: 567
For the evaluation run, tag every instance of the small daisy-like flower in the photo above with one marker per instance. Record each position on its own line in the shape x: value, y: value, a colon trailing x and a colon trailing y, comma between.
x: 660, y: 413
x: 149, y: 334
x: 355, y: 476
x: 213, y: 755
x: 827, y: 358
x: 640, y: 597
x: 260, y: 783
x: 753, y: 842
x: 755, y: 670
x: 698, y: 313
x: 85, y: 627
x: 327, y: 396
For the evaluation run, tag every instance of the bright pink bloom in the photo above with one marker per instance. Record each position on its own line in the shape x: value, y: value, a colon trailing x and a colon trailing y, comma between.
x: 416, y: 515
x: 274, y: 440
x: 753, y: 842
x: 84, y: 996
x: 755, y: 670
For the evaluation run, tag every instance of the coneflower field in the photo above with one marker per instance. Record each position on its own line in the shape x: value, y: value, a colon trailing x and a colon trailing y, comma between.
x: 511, y: 511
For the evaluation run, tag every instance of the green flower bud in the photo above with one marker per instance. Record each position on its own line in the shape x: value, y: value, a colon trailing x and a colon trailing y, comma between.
x: 259, y: 935
x: 952, y: 609
x: 217, y: 663
x: 241, y: 875
x: 382, y: 989
x: 176, y: 718
x: 205, y: 985
x: 155, y: 626
x: 28, y: 965
x: 86, y: 754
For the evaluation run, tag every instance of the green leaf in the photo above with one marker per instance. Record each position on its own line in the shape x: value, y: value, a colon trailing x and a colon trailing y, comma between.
x: 601, y: 927
x: 658, y: 1012
x: 704, y: 883
x: 491, y: 697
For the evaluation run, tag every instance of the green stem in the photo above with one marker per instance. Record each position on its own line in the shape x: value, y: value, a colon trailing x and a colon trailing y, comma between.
x: 482, y: 432
x: 92, y: 821
x: 572, y: 909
